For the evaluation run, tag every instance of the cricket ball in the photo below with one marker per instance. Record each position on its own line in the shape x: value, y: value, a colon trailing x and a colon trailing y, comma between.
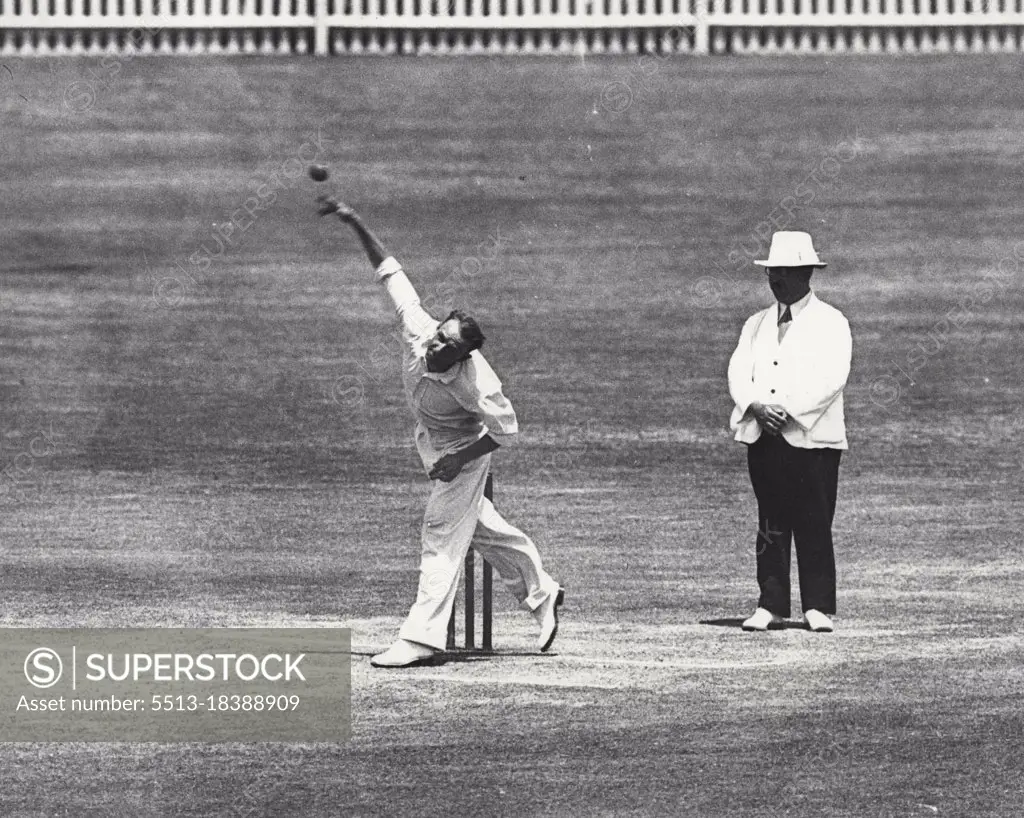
x: 318, y: 173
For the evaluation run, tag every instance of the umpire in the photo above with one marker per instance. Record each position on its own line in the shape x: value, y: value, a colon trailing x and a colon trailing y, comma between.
x: 786, y: 378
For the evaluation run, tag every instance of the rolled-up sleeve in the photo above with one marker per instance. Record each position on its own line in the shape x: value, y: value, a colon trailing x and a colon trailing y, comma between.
x: 479, y: 391
x: 416, y: 321
x: 499, y: 417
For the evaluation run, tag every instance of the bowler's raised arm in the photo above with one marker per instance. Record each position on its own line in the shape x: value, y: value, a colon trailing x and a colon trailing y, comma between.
x: 416, y: 322
x: 371, y: 244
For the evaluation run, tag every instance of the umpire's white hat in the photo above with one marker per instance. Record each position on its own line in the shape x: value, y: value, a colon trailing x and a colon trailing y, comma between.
x: 791, y: 248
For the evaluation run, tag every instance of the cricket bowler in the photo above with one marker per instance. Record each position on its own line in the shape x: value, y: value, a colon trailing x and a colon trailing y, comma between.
x: 462, y: 416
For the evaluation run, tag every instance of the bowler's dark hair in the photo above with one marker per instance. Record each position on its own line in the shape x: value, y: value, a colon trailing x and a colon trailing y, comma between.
x: 468, y: 328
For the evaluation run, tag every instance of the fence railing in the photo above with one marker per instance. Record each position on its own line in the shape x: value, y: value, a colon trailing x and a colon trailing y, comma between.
x: 29, y: 27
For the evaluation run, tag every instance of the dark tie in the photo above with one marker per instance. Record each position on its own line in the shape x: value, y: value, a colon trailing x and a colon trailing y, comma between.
x: 784, y: 321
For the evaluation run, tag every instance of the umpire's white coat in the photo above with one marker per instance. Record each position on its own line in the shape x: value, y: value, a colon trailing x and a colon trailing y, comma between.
x: 805, y: 375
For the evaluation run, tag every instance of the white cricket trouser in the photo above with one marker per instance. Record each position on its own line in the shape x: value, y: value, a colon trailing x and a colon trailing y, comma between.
x: 459, y: 516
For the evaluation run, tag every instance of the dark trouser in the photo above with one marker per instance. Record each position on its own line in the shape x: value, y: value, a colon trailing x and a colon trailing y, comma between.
x: 796, y: 499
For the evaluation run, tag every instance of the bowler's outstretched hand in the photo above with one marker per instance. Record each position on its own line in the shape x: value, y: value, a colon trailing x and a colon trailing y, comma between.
x: 329, y: 205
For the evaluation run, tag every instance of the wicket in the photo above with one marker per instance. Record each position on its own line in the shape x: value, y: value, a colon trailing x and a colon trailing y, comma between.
x: 469, y: 602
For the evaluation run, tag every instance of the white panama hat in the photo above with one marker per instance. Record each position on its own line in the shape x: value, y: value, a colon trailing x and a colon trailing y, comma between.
x: 791, y: 248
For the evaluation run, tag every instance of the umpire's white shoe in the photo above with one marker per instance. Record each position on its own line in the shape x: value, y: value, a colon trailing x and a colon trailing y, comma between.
x: 403, y: 654
x: 547, y: 615
x: 762, y: 620
x: 818, y: 622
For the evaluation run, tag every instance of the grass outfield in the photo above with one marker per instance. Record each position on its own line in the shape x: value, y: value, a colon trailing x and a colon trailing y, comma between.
x: 233, y: 448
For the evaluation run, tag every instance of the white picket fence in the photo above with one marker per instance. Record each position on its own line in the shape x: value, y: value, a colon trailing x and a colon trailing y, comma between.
x: 45, y: 27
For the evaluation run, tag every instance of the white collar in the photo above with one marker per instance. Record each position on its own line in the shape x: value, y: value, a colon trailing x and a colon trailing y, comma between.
x: 795, y: 308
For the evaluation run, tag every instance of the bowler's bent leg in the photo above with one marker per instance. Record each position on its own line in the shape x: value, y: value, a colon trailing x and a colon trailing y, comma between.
x: 514, y: 557
x: 517, y: 561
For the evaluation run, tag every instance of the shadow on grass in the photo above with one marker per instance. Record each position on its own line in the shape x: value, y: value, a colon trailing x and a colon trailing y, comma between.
x: 736, y: 622
x: 457, y: 657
